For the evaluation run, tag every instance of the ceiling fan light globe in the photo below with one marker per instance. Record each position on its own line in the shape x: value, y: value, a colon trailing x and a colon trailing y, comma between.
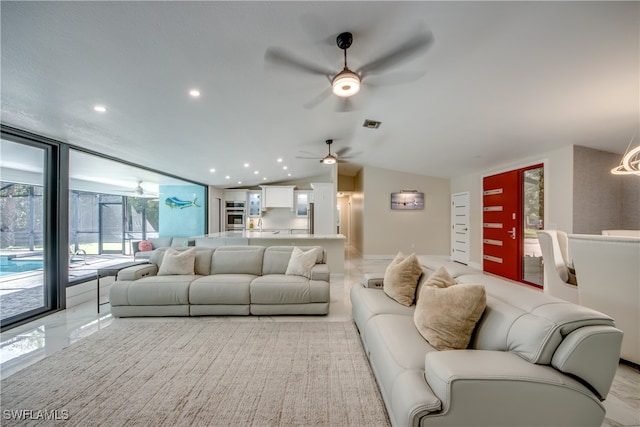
x: 329, y: 160
x: 346, y: 83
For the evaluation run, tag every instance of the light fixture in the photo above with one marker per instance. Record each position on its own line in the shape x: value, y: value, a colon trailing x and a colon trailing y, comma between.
x: 194, y: 93
x: 346, y: 83
x: 329, y: 159
x: 246, y: 165
x: 100, y: 108
x: 212, y: 170
x: 630, y: 163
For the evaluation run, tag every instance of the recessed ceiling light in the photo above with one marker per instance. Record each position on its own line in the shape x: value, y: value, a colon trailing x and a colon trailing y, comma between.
x: 212, y: 170
x: 239, y: 182
x: 246, y: 165
x: 194, y: 93
x: 279, y: 160
x: 285, y: 168
x: 288, y: 174
x: 256, y: 172
x: 264, y: 178
x: 227, y: 177
x: 100, y: 108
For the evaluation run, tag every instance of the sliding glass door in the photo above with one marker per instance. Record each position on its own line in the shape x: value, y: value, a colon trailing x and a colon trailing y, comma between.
x: 23, y: 247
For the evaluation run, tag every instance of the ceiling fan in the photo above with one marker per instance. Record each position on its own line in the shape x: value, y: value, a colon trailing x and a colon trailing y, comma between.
x: 139, y: 191
x: 347, y: 83
x: 331, y: 158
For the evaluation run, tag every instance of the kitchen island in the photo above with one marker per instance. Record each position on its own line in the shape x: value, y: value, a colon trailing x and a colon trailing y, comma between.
x: 333, y: 244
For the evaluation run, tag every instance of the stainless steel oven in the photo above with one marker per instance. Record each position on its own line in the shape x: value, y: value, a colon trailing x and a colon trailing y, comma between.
x: 235, y: 215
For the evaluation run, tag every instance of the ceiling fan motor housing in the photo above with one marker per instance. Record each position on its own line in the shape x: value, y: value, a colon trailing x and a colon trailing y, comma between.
x: 344, y: 40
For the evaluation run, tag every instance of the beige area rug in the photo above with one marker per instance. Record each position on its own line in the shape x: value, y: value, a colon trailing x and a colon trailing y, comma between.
x: 202, y: 372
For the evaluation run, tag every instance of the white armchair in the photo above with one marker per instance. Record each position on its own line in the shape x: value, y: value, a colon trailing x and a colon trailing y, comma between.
x: 608, y: 270
x: 553, y: 244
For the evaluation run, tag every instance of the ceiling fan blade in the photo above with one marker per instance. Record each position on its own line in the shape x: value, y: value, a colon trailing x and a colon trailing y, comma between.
x: 280, y: 56
x: 312, y: 158
x: 318, y: 99
x: 343, y: 151
x: 345, y: 105
x: 411, y: 48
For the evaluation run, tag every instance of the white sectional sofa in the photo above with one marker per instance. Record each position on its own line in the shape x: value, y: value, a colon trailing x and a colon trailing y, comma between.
x: 228, y: 280
x: 533, y: 360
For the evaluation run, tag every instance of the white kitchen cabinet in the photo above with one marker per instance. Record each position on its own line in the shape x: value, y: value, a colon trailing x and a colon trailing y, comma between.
x: 235, y: 196
x: 277, y: 196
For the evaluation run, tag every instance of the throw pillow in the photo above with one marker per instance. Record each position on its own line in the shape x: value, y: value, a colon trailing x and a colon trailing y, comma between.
x: 401, y: 278
x: 440, y: 278
x: 178, y: 262
x: 446, y: 317
x: 301, y: 262
x: 145, y: 246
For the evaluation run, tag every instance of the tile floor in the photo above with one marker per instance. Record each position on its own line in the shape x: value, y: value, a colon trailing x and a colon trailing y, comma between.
x: 27, y: 344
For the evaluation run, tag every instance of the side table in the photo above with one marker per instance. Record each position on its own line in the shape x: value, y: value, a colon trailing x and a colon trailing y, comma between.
x: 112, y: 270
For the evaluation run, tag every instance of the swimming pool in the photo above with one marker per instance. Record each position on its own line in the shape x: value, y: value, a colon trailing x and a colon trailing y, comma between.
x: 16, y: 265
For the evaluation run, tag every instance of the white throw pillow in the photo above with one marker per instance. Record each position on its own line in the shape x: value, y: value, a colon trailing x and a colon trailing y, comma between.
x: 178, y: 262
x: 301, y: 262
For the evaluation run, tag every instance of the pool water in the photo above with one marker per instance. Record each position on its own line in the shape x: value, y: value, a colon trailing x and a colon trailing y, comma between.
x: 15, y: 265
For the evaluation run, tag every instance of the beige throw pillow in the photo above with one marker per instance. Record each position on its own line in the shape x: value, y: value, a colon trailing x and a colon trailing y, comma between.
x: 178, y: 262
x: 446, y: 316
x: 401, y: 278
x: 301, y: 262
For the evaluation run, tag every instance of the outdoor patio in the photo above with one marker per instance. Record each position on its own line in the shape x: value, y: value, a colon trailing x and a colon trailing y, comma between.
x: 23, y: 291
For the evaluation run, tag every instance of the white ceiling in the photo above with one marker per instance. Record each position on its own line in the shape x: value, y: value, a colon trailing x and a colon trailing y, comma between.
x: 501, y: 81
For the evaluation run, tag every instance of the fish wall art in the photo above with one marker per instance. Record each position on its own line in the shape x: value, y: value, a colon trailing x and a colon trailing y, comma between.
x: 175, y: 203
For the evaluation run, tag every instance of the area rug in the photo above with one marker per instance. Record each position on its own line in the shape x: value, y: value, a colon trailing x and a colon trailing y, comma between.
x: 201, y: 372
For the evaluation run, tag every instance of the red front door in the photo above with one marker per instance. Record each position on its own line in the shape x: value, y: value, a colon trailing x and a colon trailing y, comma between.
x: 500, y: 224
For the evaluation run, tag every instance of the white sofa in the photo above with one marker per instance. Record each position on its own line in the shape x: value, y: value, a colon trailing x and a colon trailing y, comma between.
x: 533, y: 359
x: 228, y: 280
x: 608, y: 270
x: 159, y: 242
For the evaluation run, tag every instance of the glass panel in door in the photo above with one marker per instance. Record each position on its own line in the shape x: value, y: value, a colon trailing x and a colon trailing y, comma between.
x: 22, y: 216
x: 111, y: 225
x: 533, y: 215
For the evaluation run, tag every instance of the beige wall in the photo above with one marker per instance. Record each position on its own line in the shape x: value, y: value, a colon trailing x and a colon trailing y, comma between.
x: 558, y: 194
x: 386, y: 231
x: 357, y: 213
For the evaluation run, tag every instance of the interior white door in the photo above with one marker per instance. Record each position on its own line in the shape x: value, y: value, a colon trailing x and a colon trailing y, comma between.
x: 460, y: 227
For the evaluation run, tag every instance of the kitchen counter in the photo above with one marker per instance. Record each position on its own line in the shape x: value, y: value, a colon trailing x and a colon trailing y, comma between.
x: 272, y: 233
x: 333, y: 244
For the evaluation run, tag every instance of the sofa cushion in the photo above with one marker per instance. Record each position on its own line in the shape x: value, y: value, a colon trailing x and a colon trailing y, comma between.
x: 237, y: 259
x: 160, y: 242
x: 301, y: 262
x: 401, y: 278
x: 175, y: 262
x: 221, y: 289
x: 446, y: 316
x: 287, y: 289
x: 160, y: 290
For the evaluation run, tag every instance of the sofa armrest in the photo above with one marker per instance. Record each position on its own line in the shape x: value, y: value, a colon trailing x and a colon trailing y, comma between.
x: 373, y: 281
x: 320, y: 272
x: 507, y: 389
x: 137, y: 271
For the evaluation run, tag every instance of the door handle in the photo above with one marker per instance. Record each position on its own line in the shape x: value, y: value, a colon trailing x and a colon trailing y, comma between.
x: 513, y: 233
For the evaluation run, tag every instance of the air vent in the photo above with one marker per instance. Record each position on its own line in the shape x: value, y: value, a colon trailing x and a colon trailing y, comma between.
x: 371, y: 124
